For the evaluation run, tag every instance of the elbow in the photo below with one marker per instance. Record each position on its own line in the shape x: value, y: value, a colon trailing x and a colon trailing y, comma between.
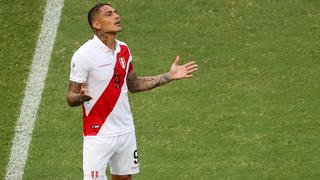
x: 70, y: 104
x: 69, y: 101
x: 132, y: 90
x: 132, y: 85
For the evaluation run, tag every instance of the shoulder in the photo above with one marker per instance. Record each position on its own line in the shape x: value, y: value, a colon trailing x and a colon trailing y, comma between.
x: 83, y: 53
x: 121, y: 43
x: 86, y: 48
x: 78, y: 57
x: 123, y: 46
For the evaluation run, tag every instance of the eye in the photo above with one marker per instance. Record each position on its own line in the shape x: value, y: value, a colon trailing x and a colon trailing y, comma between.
x: 108, y: 13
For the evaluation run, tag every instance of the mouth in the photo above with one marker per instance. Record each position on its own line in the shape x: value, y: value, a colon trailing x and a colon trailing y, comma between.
x: 118, y: 23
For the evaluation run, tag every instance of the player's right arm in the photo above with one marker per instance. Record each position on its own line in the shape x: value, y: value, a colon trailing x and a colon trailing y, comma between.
x: 77, y: 94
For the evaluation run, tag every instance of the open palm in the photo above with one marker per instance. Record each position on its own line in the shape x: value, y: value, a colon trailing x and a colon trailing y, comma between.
x: 182, y: 71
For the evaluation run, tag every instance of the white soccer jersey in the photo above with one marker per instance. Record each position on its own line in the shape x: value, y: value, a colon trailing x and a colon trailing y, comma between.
x: 105, y: 72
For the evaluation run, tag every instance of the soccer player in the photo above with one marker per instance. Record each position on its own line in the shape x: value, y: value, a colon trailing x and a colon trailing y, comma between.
x: 101, y: 75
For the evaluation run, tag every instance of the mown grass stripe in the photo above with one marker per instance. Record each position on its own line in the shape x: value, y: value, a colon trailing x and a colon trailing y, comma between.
x: 33, y: 91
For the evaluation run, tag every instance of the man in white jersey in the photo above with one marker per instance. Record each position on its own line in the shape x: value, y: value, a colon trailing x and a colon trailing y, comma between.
x: 101, y: 75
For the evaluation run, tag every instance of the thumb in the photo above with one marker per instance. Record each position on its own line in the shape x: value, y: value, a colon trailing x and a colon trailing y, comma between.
x: 83, y: 87
x: 177, y: 60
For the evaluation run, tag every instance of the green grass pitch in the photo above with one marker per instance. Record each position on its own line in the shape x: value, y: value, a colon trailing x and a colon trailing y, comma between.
x: 251, y: 112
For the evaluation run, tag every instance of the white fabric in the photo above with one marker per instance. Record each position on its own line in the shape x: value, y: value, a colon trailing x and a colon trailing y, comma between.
x: 94, y: 64
x: 119, y: 151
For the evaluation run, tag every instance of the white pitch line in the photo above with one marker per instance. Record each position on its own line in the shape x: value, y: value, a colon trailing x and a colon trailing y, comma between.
x: 33, y: 91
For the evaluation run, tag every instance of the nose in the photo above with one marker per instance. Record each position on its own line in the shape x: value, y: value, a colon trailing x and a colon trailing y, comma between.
x: 116, y: 15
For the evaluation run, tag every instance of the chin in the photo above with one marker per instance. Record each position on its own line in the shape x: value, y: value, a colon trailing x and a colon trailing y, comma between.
x: 119, y: 30
x: 116, y: 31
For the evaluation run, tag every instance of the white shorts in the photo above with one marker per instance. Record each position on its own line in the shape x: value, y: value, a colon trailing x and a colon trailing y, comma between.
x: 119, y: 151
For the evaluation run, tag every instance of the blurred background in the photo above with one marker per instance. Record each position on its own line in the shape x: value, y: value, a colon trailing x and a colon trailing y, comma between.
x: 250, y: 112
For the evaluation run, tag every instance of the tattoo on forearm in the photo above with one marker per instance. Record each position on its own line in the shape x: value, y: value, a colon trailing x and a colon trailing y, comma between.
x: 73, y: 96
x: 146, y: 83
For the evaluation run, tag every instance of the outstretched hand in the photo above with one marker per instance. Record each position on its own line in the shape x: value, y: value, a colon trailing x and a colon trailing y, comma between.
x: 83, y: 93
x: 182, y: 71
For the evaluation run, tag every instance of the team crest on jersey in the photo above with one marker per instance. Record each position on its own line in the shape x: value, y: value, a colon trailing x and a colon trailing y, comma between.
x: 94, y: 174
x: 122, y: 62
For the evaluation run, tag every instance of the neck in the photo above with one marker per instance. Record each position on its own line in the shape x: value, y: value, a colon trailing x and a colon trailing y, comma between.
x: 109, y: 39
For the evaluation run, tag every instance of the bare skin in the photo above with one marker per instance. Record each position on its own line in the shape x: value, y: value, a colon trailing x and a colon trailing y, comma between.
x: 137, y: 84
x: 77, y: 94
x: 106, y: 25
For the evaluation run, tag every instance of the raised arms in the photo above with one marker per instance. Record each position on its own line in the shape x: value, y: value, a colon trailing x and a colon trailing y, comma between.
x: 137, y: 84
x: 77, y: 94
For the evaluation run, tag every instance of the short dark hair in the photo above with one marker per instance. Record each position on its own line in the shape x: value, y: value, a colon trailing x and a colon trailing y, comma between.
x: 94, y: 10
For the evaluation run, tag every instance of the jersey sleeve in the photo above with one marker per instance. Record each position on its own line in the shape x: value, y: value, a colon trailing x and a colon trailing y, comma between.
x: 131, y: 68
x: 78, y: 69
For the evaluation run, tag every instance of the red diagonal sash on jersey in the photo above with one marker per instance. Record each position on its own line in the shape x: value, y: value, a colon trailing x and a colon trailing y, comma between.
x: 108, y: 99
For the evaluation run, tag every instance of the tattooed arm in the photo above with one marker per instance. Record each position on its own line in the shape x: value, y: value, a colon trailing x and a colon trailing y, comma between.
x: 77, y: 94
x: 137, y: 84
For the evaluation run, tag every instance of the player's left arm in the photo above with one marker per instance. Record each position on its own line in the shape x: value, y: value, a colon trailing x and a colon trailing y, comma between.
x: 137, y: 84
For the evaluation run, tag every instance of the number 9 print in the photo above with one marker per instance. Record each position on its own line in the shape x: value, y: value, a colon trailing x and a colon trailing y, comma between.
x: 135, y: 156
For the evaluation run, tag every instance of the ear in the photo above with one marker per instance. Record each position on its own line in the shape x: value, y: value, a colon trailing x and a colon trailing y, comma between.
x: 96, y: 25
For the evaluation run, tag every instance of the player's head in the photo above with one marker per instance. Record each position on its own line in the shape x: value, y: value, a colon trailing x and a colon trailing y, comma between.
x: 103, y: 17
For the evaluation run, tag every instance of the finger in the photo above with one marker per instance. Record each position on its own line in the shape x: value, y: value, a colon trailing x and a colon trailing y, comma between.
x: 192, y: 66
x: 177, y: 60
x: 81, y: 90
x: 188, y: 76
x: 192, y: 71
x: 189, y: 63
x: 83, y: 87
x: 87, y: 98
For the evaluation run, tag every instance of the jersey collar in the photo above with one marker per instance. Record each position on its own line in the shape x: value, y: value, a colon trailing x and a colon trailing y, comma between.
x: 97, y: 41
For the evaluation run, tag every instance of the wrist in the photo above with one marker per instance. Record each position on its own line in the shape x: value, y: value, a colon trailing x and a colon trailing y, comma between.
x: 169, y: 76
